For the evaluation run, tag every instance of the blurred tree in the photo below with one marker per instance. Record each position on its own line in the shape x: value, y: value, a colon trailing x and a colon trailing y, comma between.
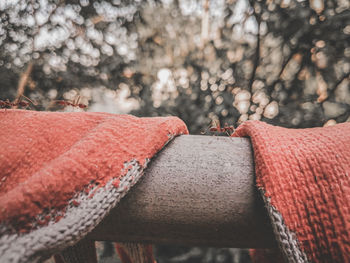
x: 283, y: 62
x: 62, y: 45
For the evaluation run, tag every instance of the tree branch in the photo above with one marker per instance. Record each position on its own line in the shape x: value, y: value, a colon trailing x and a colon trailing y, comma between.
x: 332, y: 91
x: 257, y: 53
x: 22, y: 83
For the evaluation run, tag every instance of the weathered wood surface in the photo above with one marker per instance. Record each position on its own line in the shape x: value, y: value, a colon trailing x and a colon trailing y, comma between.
x: 198, y: 191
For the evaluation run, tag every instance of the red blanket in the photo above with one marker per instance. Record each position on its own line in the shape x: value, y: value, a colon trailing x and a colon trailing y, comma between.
x: 304, y: 176
x: 61, y: 173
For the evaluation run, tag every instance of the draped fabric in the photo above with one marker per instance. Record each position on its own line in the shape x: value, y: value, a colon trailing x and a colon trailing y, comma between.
x: 61, y: 173
x: 304, y: 178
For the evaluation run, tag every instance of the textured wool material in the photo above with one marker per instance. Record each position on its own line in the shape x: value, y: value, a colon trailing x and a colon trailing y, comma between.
x: 61, y: 173
x: 304, y: 177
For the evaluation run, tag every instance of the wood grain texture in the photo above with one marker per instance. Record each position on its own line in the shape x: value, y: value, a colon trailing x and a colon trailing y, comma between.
x: 198, y: 191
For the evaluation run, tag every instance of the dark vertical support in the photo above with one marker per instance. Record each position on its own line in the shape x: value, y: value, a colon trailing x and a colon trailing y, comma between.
x: 82, y: 252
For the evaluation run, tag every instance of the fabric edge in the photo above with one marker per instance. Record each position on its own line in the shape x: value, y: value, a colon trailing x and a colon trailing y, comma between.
x: 41, y: 243
x: 286, y: 239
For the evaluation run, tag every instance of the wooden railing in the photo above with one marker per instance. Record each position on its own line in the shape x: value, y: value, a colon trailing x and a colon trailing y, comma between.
x: 199, y: 191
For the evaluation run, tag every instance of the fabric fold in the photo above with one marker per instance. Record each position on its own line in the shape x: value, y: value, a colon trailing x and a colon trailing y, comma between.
x: 61, y: 174
x: 303, y: 176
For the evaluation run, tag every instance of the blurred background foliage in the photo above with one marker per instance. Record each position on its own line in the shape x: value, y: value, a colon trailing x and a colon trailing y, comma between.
x: 286, y: 62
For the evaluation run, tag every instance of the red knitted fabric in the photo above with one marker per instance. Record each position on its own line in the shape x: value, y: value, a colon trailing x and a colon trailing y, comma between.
x: 264, y: 255
x: 61, y: 173
x: 56, y: 167
x: 304, y: 175
x: 134, y: 253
